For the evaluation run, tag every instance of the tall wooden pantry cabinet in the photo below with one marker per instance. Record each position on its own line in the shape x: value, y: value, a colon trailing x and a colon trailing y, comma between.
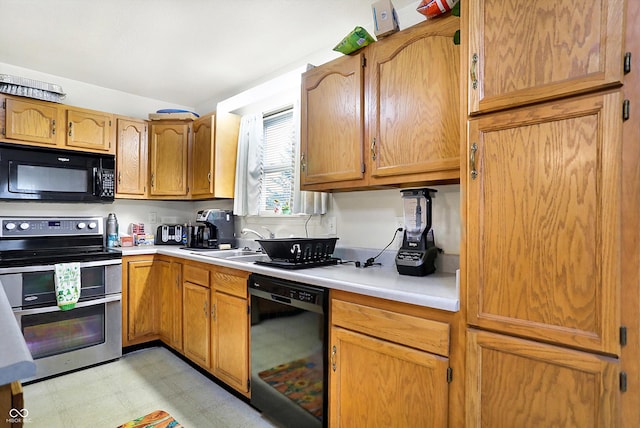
x: 550, y: 207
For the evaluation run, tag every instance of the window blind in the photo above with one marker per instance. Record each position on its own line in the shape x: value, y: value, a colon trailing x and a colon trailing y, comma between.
x: 278, y: 162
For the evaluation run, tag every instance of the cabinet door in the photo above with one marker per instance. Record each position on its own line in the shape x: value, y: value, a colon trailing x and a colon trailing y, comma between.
x: 32, y: 121
x: 231, y: 340
x: 176, y: 277
x: 196, y: 324
x: 519, y: 383
x: 227, y: 127
x: 581, y: 47
x: 377, y: 383
x: 89, y: 130
x: 141, y: 301
x: 543, y: 222
x: 169, y: 146
x: 202, y: 157
x: 413, y: 100
x: 332, y: 123
x: 165, y: 284
x: 131, y: 159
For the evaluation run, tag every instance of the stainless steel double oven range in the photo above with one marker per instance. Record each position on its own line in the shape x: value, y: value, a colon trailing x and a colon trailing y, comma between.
x: 61, y: 341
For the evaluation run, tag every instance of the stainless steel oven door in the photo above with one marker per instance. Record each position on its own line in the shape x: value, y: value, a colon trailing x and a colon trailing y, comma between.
x: 62, y: 341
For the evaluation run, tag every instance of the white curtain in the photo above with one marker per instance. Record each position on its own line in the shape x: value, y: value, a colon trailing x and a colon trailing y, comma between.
x: 249, y: 166
x: 304, y: 202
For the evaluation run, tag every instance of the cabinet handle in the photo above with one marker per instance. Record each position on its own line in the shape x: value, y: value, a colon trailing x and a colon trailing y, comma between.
x: 373, y: 149
x: 206, y: 313
x: 119, y: 177
x: 53, y: 127
x: 303, y: 163
x: 70, y: 129
x: 472, y: 161
x: 209, y: 176
x: 213, y: 312
x: 152, y: 180
x: 333, y: 358
x: 474, y: 75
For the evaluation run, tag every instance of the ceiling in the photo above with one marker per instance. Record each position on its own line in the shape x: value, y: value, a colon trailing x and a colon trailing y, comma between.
x: 180, y: 51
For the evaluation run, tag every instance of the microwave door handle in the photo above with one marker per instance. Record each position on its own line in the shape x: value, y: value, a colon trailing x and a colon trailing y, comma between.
x: 96, y: 181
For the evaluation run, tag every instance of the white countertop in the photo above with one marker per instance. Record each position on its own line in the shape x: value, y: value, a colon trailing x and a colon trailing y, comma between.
x: 438, y: 290
x: 16, y: 362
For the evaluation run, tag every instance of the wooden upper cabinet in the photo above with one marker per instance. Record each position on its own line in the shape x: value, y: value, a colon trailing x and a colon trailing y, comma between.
x: 32, y: 122
x: 413, y: 91
x: 168, y: 160
x: 332, y: 123
x: 536, y: 50
x: 90, y: 130
x: 512, y: 382
x: 131, y: 158
x: 202, y: 156
x: 544, y: 237
x: 214, y: 152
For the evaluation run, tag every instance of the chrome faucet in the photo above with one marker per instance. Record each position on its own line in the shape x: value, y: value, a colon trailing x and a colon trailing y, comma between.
x: 259, y: 235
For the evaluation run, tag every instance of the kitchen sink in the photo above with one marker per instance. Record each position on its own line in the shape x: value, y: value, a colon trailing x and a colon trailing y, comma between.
x: 239, y: 255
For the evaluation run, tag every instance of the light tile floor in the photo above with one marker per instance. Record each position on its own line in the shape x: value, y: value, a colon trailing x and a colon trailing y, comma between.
x: 137, y: 384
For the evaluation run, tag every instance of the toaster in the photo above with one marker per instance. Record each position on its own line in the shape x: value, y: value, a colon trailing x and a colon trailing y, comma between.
x: 169, y: 234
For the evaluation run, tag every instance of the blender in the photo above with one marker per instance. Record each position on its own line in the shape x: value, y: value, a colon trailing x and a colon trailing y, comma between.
x: 418, y: 253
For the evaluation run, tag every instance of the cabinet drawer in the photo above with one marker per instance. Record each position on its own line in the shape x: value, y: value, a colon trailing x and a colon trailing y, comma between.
x: 230, y: 283
x: 196, y: 275
x: 409, y: 330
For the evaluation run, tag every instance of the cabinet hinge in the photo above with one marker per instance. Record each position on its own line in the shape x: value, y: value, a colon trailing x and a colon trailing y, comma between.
x: 248, y: 309
x: 248, y: 384
x: 449, y: 374
x: 363, y: 62
x: 623, y: 335
x: 626, y: 106
x: 2, y: 131
x: 623, y: 381
x: 4, y: 104
x: 109, y: 122
x: 627, y: 62
x: 362, y: 167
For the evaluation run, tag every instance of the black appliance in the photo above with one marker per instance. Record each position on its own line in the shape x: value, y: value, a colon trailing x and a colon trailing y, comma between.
x: 169, y: 234
x: 214, y: 229
x: 35, y: 173
x: 289, y: 341
x: 61, y: 341
x: 418, y: 253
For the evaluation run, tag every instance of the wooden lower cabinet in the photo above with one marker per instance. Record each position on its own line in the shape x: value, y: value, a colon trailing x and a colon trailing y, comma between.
x: 513, y: 382
x: 230, y: 331
x: 387, y: 368
x: 170, y: 302
x: 378, y: 383
x: 196, y: 323
x: 139, y: 292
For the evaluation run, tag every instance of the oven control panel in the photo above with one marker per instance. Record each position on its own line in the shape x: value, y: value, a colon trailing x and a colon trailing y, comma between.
x: 63, y: 226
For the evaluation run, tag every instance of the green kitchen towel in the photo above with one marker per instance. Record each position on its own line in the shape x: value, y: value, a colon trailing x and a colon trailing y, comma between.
x: 67, y: 281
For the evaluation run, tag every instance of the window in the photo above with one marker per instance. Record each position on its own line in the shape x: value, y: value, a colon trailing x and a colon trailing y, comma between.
x: 278, y: 162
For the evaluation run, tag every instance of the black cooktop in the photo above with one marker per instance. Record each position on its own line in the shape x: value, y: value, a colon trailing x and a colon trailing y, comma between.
x: 16, y: 258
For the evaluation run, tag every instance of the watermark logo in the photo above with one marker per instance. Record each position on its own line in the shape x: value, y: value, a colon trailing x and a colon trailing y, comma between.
x: 17, y: 416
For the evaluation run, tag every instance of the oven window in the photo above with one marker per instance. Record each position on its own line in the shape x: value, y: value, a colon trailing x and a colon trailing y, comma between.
x: 56, y: 333
x: 38, y: 288
x: 34, y: 179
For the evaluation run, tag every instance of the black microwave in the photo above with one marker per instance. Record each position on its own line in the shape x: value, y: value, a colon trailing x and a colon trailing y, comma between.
x: 35, y: 173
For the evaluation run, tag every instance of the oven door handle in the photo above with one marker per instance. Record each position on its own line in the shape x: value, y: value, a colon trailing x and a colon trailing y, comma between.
x: 52, y: 267
x: 108, y: 299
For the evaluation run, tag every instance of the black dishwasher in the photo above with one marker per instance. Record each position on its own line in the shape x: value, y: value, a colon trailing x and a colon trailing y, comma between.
x: 289, y: 351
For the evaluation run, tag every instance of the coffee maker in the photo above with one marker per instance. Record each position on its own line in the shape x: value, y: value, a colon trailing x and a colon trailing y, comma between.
x: 214, y: 229
x: 418, y: 253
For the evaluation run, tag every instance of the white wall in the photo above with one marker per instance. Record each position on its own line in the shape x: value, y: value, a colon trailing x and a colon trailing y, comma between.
x: 85, y: 95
